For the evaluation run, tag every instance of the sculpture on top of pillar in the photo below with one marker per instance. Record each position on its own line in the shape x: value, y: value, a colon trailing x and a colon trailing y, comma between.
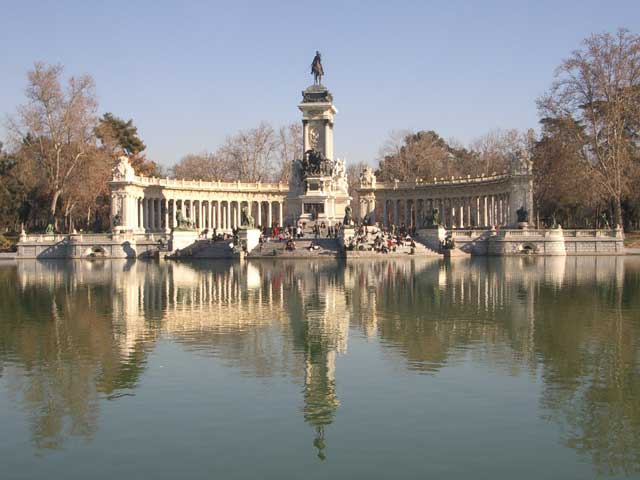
x: 432, y: 220
x: 183, y: 223
x: 316, y: 69
x: 246, y: 220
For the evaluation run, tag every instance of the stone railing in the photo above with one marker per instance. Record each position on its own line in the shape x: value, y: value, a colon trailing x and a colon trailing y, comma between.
x: 418, y: 183
x: 253, y: 187
x: 614, y: 233
x: 90, y: 237
x: 541, y: 233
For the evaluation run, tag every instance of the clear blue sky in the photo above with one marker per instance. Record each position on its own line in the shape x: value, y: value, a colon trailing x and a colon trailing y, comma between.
x: 190, y: 73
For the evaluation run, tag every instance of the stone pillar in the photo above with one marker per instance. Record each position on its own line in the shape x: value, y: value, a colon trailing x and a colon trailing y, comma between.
x: 152, y: 212
x: 166, y: 214
x: 260, y: 214
x: 159, y: 214
x: 173, y: 213
x: 141, y: 216
x: 238, y: 208
x: 396, y: 213
x: 280, y: 219
x: 461, y: 209
x: 218, y: 218
x: 385, y: 214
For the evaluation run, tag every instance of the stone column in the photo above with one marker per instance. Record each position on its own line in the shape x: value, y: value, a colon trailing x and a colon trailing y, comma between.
x: 260, y: 214
x: 483, y: 210
x: 280, y: 219
x: 173, y: 213
x: 141, y: 213
x: 385, y: 214
x: 159, y: 212
x: 152, y: 217
x: 218, y: 218
x: 270, y: 214
x: 396, y: 213
x: 166, y: 214
x: 238, y: 208
x: 461, y: 209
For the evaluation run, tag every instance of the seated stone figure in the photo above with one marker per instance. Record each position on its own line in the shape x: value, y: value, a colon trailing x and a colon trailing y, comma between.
x: 432, y: 220
x: 523, y: 215
x: 183, y: 223
x: 246, y: 220
x: 348, y: 219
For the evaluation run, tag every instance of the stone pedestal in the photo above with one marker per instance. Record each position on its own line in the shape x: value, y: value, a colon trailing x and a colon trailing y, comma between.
x: 181, y: 239
x: 250, y: 237
x: 433, y: 237
x: 345, y: 235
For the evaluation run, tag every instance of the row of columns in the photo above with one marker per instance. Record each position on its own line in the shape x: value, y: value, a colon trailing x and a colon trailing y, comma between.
x: 462, y: 212
x: 159, y: 214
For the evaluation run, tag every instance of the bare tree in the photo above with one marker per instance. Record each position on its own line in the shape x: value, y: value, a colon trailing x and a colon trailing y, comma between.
x: 494, y: 149
x: 202, y: 166
x: 250, y: 154
x: 289, y: 149
x: 56, y: 126
x: 598, y: 89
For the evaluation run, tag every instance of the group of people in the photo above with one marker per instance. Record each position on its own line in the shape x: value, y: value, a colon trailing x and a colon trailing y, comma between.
x: 381, y: 240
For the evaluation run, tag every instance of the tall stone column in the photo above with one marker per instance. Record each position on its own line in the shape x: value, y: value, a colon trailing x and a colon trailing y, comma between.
x: 270, y: 214
x: 385, y: 213
x: 260, y: 214
x: 218, y: 222
x: 461, y: 211
x: 396, y: 213
x: 238, y: 208
x: 152, y: 216
x: 280, y: 219
x: 485, y: 213
x: 159, y: 211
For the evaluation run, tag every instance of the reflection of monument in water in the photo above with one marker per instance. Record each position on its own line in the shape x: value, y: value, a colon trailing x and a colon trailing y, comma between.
x: 294, y: 318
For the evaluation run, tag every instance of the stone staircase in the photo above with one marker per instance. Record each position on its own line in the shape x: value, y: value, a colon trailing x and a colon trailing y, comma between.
x: 420, y: 250
x: 328, y: 248
x: 209, y: 249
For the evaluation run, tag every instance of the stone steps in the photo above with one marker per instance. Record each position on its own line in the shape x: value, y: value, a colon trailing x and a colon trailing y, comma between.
x: 274, y: 248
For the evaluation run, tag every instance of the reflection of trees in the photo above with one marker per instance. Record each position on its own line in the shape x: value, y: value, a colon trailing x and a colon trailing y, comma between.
x: 76, y: 334
x: 61, y: 351
x: 588, y: 349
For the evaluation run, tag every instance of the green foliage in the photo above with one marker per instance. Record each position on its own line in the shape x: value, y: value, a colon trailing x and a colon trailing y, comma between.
x: 124, y: 133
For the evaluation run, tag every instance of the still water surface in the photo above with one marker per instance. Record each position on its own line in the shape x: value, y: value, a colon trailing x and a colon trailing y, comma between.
x: 475, y: 368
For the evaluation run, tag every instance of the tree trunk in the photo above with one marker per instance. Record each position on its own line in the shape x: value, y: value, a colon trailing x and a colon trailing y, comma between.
x: 53, y: 208
x: 617, y: 212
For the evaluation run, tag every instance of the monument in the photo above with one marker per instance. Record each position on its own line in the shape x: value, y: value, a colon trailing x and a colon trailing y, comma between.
x: 318, y: 190
x: 248, y: 234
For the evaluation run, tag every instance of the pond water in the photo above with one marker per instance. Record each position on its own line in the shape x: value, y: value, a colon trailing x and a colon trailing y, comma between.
x: 508, y: 368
